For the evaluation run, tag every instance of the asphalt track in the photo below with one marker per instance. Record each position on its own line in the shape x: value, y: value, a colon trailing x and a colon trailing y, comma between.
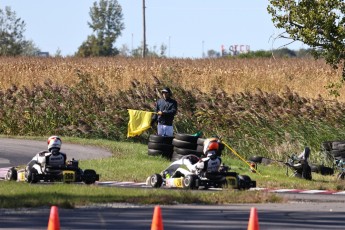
x: 235, y: 216
x: 315, y: 209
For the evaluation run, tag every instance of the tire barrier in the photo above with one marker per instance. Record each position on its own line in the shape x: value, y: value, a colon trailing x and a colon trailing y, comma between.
x: 335, y: 149
x: 160, y: 146
x: 184, y: 144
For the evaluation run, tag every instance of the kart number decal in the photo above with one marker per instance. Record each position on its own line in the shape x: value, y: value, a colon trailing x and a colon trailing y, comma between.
x: 68, y: 176
x: 178, y: 182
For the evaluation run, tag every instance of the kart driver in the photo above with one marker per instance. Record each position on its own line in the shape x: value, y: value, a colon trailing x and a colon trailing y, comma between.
x: 52, y: 157
x: 209, y: 164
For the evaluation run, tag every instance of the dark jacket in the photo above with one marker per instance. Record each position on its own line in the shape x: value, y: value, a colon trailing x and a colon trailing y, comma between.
x: 169, y: 109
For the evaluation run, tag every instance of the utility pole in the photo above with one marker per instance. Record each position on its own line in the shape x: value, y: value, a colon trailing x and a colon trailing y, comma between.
x: 144, y: 30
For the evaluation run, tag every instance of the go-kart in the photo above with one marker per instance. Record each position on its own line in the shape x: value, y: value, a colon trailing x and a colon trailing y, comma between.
x: 62, y: 173
x: 181, y: 174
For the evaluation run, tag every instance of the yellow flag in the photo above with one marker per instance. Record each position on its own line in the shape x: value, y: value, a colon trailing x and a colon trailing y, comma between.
x: 139, y: 121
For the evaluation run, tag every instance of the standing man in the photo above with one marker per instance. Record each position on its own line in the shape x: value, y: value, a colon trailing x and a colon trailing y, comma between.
x: 166, y: 109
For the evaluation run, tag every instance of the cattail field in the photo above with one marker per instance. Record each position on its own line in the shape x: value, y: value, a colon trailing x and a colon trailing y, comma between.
x: 267, y: 107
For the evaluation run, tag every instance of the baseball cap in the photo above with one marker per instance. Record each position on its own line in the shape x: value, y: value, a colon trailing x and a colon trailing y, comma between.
x: 166, y: 90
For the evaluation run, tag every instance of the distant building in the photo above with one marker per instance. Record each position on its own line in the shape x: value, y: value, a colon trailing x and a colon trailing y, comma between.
x: 43, y: 54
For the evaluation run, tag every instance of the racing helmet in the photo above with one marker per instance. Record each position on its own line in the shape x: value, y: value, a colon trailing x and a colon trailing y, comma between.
x: 211, y: 146
x: 54, y: 144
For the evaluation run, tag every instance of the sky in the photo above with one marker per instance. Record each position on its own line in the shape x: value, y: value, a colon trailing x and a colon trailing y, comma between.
x: 188, y: 28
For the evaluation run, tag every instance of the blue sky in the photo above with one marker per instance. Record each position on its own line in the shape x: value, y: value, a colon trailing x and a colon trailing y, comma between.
x: 187, y: 27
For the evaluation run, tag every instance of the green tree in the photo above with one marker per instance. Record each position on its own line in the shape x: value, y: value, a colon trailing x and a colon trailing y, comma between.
x: 106, y: 24
x: 317, y: 23
x: 11, y: 33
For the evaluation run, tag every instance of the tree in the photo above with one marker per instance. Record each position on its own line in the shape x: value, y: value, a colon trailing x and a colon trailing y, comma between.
x: 106, y: 24
x: 12, y: 40
x: 317, y: 23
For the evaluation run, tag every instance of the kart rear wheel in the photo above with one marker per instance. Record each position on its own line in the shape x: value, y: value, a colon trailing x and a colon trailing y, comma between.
x: 156, y: 180
x: 244, y: 182
x: 89, y: 176
x: 11, y: 174
x: 190, y: 182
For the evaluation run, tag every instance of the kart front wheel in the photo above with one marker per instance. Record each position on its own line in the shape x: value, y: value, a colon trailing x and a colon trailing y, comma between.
x: 11, y: 174
x: 156, y: 180
x: 190, y: 182
x: 32, y: 176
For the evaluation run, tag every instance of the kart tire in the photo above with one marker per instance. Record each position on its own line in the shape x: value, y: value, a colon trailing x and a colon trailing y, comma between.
x: 160, y: 146
x: 184, y: 144
x: 156, y: 180
x: 32, y: 176
x: 89, y: 176
x: 11, y: 174
x: 244, y: 182
x: 189, y: 182
x: 186, y: 137
x: 160, y: 139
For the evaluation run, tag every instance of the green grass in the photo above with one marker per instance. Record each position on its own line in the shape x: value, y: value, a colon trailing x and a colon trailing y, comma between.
x: 130, y: 162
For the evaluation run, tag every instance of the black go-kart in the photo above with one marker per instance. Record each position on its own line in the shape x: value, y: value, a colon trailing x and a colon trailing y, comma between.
x: 174, y: 177
x: 68, y: 173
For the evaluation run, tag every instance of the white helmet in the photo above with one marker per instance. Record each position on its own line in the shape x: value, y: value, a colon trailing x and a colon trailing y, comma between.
x: 54, y: 142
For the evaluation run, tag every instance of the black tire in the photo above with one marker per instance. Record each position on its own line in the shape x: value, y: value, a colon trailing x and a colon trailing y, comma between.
x: 200, y: 148
x: 160, y: 146
x: 11, y: 174
x: 315, y: 168
x: 326, y: 170
x: 32, y: 176
x: 186, y: 151
x: 337, y: 153
x: 244, y: 182
x: 160, y: 139
x: 89, y: 176
x: 175, y: 156
x: 255, y: 159
x: 186, y: 137
x: 156, y: 180
x: 184, y: 144
x: 189, y: 182
x: 157, y: 152
x: 338, y: 145
x: 201, y: 141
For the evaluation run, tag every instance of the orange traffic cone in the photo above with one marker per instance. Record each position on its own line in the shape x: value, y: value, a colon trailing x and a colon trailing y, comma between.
x: 157, y: 222
x: 54, y: 222
x: 253, y: 220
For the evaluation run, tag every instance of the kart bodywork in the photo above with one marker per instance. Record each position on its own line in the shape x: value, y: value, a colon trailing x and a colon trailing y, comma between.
x: 181, y: 174
x: 68, y: 173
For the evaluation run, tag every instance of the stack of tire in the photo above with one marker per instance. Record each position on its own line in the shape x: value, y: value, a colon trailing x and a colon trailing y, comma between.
x: 160, y: 146
x: 335, y: 149
x: 185, y: 144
